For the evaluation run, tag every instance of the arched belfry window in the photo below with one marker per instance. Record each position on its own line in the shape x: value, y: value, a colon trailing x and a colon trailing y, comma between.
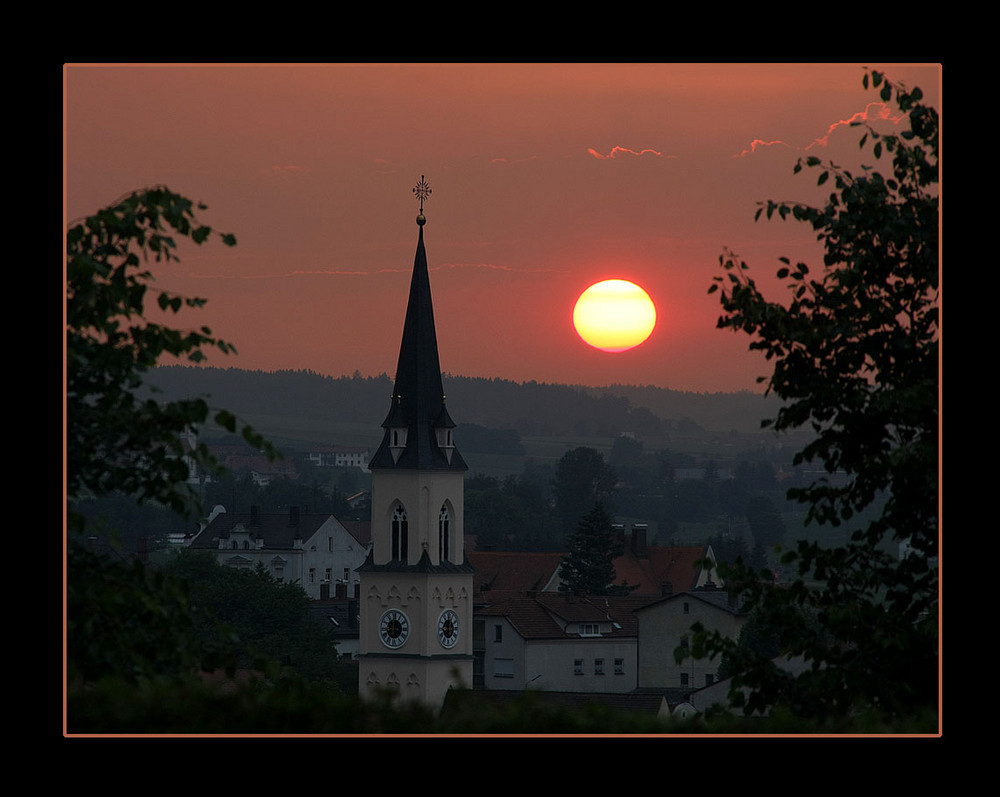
x: 400, y: 531
x: 444, y: 534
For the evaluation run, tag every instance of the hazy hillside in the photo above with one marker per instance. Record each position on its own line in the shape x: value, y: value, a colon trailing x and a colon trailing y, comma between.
x: 351, y: 409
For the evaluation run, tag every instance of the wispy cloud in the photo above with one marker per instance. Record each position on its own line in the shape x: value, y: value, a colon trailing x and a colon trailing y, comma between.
x: 510, y: 161
x: 279, y: 275
x: 758, y: 144
x: 492, y: 267
x: 280, y: 169
x: 335, y: 272
x: 874, y: 111
x: 616, y: 151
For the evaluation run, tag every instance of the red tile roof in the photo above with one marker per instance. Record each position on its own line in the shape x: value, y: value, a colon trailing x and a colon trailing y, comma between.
x: 519, y: 572
x: 676, y: 565
x: 545, y: 615
x: 513, y: 571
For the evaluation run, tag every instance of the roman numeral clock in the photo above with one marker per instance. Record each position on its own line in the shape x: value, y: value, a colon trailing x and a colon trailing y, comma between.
x: 416, y: 585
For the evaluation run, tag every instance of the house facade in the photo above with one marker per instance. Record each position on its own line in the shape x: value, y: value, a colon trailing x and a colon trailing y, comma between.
x: 665, y: 625
x: 558, y: 642
x: 340, y: 457
x: 313, y: 549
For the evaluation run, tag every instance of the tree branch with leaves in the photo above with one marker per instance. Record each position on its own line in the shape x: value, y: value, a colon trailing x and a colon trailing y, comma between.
x: 855, y: 356
x: 114, y: 439
x: 128, y: 621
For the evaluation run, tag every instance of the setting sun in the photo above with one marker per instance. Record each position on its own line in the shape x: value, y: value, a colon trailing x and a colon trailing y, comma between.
x: 614, y: 315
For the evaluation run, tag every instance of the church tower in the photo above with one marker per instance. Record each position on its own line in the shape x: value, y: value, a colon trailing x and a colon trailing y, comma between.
x: 416, y: 585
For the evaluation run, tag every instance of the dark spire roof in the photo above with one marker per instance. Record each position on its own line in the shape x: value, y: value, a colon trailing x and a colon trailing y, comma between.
x: 418, y: 399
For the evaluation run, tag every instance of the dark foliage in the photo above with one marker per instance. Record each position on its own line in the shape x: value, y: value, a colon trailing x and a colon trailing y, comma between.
x: 855, y: 355
x: 588, y: 567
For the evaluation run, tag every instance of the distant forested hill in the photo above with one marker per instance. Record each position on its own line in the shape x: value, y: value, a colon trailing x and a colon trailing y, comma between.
x: 532, y: 408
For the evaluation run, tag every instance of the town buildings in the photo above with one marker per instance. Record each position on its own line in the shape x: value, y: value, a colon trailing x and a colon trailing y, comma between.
x: 315, y: 550
x: 433, y: 616
x: 533, y: 635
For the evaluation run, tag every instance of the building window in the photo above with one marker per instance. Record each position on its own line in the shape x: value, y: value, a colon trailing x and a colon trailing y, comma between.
x: 347, y: 575
x: 709, y: 679
x: 444, y: 541
x: 687, y: 608
x: 684, y: 679
x: 598, y: 666
x: 312, y: 575
x: 400, y: 530
x: 329, y: 575
x: 590, y: 629
x: 619, y: 666
x: 246, y: 545
x: 498, y: 633
x: 503, y: 668
x: 577, y: 666
x: 444, y: 438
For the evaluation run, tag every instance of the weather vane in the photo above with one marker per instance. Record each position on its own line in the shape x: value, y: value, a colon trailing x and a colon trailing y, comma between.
x: 422, y: 190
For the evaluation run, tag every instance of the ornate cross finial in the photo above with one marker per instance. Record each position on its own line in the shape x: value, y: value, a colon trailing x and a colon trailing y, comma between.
x: 422, y: 191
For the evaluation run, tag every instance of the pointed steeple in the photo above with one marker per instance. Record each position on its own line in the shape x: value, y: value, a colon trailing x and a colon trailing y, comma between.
x: 418, y: 428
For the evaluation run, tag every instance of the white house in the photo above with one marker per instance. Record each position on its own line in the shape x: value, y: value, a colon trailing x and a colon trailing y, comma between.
x: 665, y: 625
x: 559, y: 642
x: 313, y: 549
x: 340, y: 456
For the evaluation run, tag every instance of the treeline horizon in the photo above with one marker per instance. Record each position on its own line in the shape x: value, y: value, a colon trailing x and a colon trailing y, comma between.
x: 532, y: 408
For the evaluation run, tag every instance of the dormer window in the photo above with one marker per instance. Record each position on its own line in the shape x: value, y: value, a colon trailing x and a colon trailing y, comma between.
x: 590, y: 629
x: 443, y: 431
x: 445, y: 441
x: 397, y: 441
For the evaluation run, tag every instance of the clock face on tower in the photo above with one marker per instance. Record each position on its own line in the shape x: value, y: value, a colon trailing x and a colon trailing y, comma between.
x: 393, y: 628
x: 448, y: 628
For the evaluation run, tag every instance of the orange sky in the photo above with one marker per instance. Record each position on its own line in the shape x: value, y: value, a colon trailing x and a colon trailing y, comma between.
x: 545, y: 179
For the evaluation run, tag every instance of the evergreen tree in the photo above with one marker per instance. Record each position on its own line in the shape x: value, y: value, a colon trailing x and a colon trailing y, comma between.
x: 588, y: 566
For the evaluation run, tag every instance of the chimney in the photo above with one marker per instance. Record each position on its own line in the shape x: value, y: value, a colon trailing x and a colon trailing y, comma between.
x: 324, y: 590
x: 639, y: 540
x: 341, y: 589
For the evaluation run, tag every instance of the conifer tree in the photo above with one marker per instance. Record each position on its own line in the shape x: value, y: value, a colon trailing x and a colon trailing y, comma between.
x: 588, y: 566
